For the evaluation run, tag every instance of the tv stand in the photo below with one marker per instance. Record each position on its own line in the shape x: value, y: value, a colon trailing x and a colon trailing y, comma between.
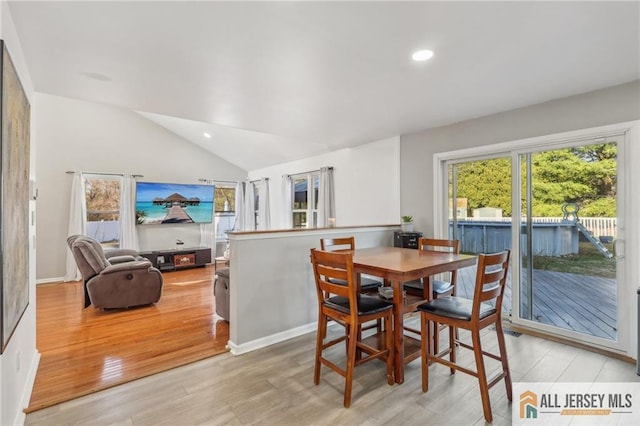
x: 176, y: 259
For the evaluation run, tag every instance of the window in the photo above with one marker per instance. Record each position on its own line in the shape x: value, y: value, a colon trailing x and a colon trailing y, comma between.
x: 225, y: 199
x: 256, y: 203
x: 254, y: 187
x: 305, y: 199
x: 102, y: 194
x: 225, y: 210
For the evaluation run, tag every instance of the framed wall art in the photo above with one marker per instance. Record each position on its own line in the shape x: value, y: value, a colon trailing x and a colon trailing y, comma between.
x: 14, y: 198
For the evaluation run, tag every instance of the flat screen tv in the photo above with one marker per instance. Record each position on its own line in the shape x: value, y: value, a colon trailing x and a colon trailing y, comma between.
x: 170, y: 203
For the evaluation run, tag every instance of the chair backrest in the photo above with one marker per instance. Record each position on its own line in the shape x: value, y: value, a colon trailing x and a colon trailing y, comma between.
x: 72, y: 239
x: 491, y: 279
x: 89, y: 255
x: 439, y: 245
x: 329, y: 265
x: 338, y: 244
x: 433, y: 244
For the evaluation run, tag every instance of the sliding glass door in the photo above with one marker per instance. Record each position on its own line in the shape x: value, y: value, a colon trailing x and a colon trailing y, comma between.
x: 568, y: 208
x: 556, y: 205
x: 479, y: 212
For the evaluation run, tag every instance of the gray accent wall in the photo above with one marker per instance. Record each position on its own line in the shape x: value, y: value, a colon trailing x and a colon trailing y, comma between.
x: 612, y: 105
x: 272, y: 289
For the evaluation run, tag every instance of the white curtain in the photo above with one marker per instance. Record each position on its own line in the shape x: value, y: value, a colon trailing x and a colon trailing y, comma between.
x: 326, y: 198
x: 249, y: 207
x: 286, y: 217
x: 208, y: 232
x: 239, y: 207
x: 208, y: 236
x: 128, y: 231
x: 264, y: 215
x: 77, y: 223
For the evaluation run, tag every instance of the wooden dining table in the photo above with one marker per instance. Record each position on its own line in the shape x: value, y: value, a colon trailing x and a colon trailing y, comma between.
x: 396, y: 266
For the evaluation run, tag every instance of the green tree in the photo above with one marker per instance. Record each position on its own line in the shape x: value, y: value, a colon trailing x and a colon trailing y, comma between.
x: 584, y: 175
x: 486, y: 183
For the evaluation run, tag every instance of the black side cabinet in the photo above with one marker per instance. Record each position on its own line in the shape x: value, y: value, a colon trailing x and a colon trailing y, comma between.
x: 171, y: 260
x: 406, y: 239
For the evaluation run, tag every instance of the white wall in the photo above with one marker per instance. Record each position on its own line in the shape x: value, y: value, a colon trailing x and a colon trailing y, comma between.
x: 367, y: 183
x: 84, y: 136
x: 19, y: 361
x: 607, y: 106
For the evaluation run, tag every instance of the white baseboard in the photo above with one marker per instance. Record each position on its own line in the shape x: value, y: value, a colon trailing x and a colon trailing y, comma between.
x: 21, y: 417
x: 270, y: 340
x: 49, y: 280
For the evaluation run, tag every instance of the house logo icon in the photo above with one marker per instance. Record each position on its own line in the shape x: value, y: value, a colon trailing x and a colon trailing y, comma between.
x: 528, y: 405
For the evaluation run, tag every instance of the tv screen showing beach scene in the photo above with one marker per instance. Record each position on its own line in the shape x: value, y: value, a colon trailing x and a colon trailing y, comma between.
x: 170, y: 203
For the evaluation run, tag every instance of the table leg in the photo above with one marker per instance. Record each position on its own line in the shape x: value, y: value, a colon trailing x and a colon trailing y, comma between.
x: 398, y: 330
x: 428, y: 295
x: 359, y: 332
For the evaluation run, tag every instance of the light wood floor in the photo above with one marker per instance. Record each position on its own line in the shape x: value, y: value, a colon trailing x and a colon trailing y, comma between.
x: 274, y: 386
x: 86, y: 350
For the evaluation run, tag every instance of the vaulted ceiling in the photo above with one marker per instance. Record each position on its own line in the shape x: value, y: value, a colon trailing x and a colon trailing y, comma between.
x: 277, y: 81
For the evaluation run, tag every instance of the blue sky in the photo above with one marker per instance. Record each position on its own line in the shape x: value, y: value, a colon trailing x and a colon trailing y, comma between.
x: 147, y: 191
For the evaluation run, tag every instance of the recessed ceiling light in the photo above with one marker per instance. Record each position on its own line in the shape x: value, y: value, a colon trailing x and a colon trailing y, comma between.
x: 207, y: 135
x: 421, y: 55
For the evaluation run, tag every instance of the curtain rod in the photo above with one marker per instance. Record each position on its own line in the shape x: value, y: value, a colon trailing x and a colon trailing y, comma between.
x: 216, y: 180
x: 310, y: 171
x: 227, y: 181
x: 70, y: 172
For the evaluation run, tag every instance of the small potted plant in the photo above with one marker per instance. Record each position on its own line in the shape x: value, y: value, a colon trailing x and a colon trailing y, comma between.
x: 407, y: 224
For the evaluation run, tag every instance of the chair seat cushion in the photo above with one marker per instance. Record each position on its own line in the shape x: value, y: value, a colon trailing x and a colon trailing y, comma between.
x: 455, y: 307
x: 439, y: 287
x: 366, y: 304
x: 366, y: 284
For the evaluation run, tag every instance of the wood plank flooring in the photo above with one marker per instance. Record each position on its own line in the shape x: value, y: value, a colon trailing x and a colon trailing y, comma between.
x: 274, y: 386
x: 86, y: 350
x: 581, y: 303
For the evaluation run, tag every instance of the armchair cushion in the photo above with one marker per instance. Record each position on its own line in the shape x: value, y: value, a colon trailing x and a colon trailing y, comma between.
x: 128, y: 266
x: 121, y: 259
x: 117, y: 255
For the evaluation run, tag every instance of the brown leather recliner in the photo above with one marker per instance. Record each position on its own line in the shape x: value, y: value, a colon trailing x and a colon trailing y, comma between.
x: 121, y: 283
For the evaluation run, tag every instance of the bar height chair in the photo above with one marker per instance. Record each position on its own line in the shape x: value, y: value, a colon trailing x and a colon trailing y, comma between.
x: 472, y: 315
x: 439, y: 288
x: 345, y: 305
x: 367, y: 285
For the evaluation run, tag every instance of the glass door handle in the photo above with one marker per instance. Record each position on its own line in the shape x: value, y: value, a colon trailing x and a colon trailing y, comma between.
x: 616, y: 251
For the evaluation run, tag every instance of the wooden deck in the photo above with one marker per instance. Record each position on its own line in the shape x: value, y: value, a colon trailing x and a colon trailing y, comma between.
x: 177, y: 214
x: 581, y: 303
